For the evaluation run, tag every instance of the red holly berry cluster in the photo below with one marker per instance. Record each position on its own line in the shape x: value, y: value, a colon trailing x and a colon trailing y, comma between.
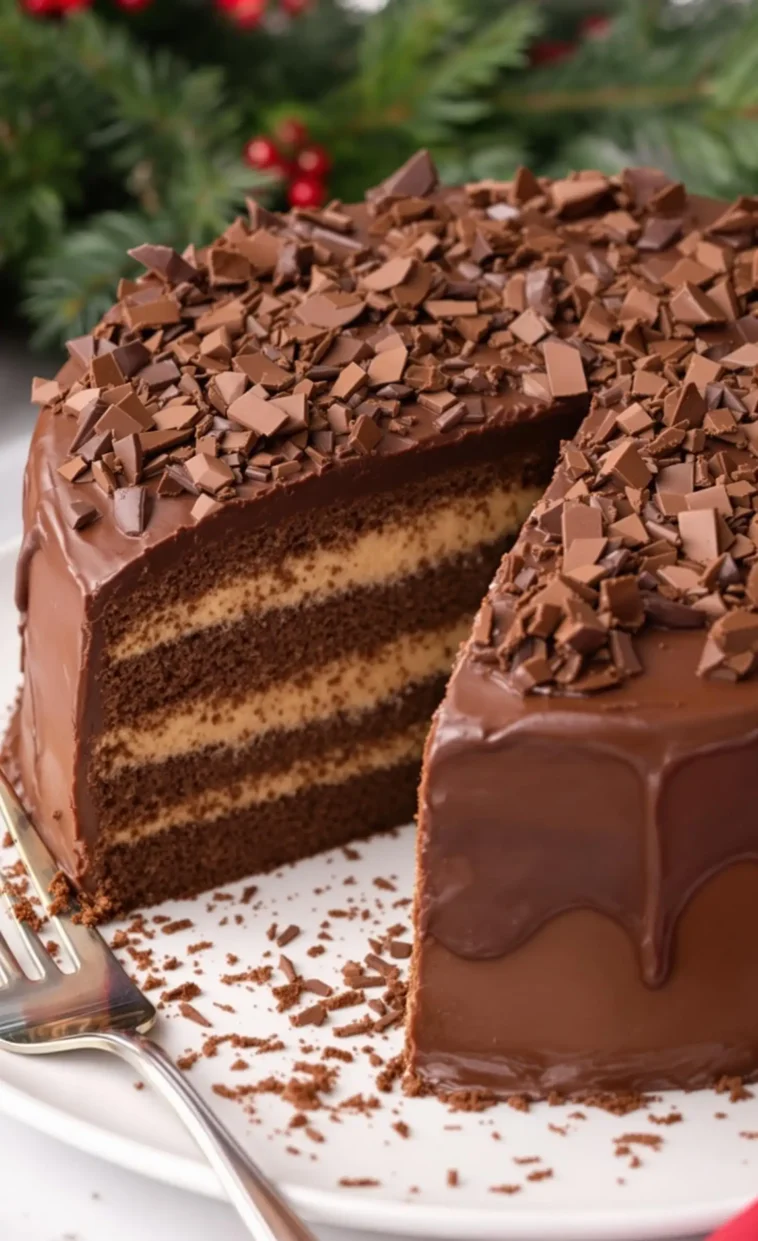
x: 245, y: 13
x: 250, y: 13
x: 291, y: 156
x: 551, y: 51
x: 43, y: 7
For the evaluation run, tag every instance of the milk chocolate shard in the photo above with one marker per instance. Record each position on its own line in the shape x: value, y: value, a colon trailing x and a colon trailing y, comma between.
x: 264, y: 500
x: 587, y: 899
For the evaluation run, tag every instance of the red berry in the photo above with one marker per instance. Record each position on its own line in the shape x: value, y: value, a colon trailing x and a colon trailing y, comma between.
x: 245, y: 13
x: 291, y: 132
x: 263, y: 154
x: 39, y: 7
x: 550, y: 51
x: 306, y: 192
x: 314, y: 161
x: 596, y: 26
x: 295, y: 7
x: 133, y: 6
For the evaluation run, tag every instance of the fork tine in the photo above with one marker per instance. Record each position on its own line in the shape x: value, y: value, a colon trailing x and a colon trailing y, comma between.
x: 37, y: 858
x: 9, y: 966
x: 41, y: 868
x: 81, y: 942
x: 32, y: 942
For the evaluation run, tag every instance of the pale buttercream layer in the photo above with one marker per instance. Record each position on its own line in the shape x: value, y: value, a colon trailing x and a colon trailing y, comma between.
x: 400, y: 548
x: 350, y: 685
x: 331, y: 768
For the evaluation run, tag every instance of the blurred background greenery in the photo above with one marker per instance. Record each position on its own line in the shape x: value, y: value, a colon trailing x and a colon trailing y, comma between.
x: 122, y: 120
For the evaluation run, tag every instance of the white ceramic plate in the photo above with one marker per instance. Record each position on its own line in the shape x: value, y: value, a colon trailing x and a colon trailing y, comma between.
x: 705, y: 1170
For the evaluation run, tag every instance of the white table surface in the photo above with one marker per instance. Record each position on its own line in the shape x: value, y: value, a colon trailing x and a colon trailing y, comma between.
x: 51, y: 1193
x: 48, y: 1191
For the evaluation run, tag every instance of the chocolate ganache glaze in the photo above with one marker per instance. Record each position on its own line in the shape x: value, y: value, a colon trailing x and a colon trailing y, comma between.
x: 632, y: 805
x: 642, y: 781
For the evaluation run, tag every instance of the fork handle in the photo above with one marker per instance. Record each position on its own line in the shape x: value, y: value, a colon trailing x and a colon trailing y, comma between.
x: 265, y: 1213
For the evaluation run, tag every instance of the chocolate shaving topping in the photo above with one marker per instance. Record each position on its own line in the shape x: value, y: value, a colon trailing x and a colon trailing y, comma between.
x: 416, y: 178
x: 208, y: 473
x: 44, y: 391
x: 565, y: 371
x: 297, y: 343
x: 166, y: 261
x: 80, y: 514
x: 319, y: 337
x: 650, y: 519
x: 73, y: 469
x: 130, y: 509
x: 204, y: 506
x: 129, y: 453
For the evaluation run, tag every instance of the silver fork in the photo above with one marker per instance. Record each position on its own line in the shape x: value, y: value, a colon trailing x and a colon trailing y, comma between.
x: 98, y: 1008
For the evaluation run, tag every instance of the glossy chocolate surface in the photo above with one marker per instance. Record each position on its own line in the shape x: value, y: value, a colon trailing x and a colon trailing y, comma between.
x: 567, y: 1012
x: 625, y: 803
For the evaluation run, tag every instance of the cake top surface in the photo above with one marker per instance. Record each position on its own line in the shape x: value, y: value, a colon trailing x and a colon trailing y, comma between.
x: 651, y: 519
x: 303, y: 345
x: 289, y: 345
x: 293, y: 347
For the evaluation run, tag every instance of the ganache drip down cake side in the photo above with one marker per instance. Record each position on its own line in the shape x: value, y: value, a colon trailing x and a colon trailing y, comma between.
x: 263, y: 502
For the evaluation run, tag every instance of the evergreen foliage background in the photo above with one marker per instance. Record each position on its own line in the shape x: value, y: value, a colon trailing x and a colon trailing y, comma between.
x: 119, y: 126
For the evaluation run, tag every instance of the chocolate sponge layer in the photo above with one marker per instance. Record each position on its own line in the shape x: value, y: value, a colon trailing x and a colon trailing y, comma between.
x: 227, y: 661
x: 135, y: 794
x: 189, y: 859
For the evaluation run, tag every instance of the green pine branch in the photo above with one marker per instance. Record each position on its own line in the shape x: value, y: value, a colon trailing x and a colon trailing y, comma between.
x: 103, y: 121
x: 426, y: 66
x: 457, y: 91
x: 108, y: 136
x: 71, y: 287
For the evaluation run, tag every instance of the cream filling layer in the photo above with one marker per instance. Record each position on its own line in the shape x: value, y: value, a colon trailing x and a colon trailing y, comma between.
x: 399, y: 549
x: 352, y: 684
x: 330, y: 769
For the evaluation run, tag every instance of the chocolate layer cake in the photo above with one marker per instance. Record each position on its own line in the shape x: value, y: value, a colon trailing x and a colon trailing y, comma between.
x: 263, y: 502
x: 587, y: 904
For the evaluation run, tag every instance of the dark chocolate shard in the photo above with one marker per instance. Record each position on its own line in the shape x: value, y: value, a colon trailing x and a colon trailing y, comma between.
x: 131, y: 358
x: 672, y: 615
